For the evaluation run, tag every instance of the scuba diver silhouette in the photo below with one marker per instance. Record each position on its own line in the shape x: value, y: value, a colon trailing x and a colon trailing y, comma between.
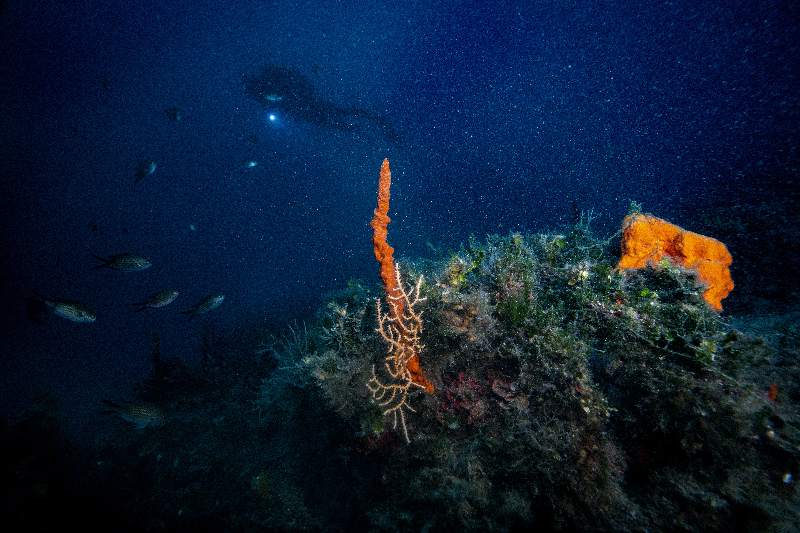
x: 289, y: 90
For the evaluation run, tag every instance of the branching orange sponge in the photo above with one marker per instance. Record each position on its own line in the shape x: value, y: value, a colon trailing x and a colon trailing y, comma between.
x: 647, y: 240
x: 400, y: 327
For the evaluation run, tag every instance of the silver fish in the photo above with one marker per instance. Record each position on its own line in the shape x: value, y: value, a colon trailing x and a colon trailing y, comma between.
x: 126, y: 262
x: 142, y: 414
x: 69, y: 309
x: 212, y: 301
x: 159, y: 299
x: 145, y: 168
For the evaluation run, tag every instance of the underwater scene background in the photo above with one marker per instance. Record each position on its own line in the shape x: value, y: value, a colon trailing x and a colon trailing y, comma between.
x: 582, y: 316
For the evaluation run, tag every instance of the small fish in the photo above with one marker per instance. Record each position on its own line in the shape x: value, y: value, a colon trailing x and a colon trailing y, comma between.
x: 145, y: 168
x: 126, y: 262
x: 173, y: 113
x: 212, y: 301
x: 159, y: 299
x: 249, y: 163
x: 142, y: 414
x: 273, y: 97
x: 69, y: 309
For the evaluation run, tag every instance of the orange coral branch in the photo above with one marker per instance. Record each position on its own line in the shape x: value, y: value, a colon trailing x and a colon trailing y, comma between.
x: 401, y: 326
x: 383, y: 252
x: 646, y: 240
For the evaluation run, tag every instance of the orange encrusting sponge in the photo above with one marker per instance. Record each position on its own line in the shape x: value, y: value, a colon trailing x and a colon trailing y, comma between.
x: 647, y: 240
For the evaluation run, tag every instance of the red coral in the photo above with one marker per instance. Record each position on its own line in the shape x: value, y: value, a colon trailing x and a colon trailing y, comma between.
x: 466, y: 395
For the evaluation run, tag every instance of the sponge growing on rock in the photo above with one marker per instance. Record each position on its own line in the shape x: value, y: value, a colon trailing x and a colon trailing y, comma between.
x: 647, y: 240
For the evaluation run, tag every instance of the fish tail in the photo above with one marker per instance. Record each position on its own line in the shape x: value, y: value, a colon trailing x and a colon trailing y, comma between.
x: 110, y: 404
x: 190, y: 312
x: 40, y: 296
x: 106, y: 262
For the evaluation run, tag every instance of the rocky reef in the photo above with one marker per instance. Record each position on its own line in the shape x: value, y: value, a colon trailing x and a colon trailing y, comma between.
x: 572, y: 396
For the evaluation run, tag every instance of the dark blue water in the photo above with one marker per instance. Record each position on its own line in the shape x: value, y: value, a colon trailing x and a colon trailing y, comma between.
x: 509, y: 116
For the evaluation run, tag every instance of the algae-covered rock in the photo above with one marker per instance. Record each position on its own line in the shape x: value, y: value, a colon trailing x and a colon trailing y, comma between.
x: 599, y: 400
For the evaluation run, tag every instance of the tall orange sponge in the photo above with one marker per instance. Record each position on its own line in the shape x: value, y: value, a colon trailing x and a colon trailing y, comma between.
x: 400, y: 326
x: 647, y: 240
x: 379, y: 223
